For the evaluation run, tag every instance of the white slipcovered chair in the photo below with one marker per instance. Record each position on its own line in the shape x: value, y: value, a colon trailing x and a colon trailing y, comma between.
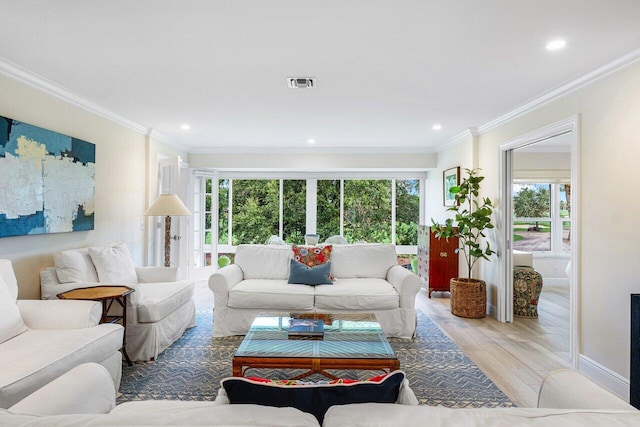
x: 336, y: 240
x: 158, y: 312
x: 41, y: 340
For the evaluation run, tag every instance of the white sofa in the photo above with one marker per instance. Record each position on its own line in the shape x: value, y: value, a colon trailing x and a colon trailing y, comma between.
x: 158, y: 312
x: 84, y: 397
x: 40, y: 340
x: 367, y: 279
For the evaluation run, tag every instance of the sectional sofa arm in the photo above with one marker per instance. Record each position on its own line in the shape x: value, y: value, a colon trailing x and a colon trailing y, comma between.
x: 222, y: 281
x: 569, y: 389
x: 85, y: 389
x: 157, y: 274
x: 60, y: 314
x: 406, y: 283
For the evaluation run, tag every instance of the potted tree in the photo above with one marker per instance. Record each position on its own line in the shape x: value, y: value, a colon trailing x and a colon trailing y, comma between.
x: 472, y: 218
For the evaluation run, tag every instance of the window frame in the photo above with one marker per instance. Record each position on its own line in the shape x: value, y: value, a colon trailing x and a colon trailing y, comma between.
x: 311, y: 199
x: 556, y: 221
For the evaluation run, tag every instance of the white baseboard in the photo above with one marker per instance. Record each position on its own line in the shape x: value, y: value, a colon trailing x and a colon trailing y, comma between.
x: 493, y: 311
x: 608, y: 379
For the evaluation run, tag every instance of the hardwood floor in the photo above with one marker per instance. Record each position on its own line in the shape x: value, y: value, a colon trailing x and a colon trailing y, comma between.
x: 516, y: 356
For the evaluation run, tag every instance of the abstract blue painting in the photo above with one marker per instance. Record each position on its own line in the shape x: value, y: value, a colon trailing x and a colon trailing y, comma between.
x: 47, y: 181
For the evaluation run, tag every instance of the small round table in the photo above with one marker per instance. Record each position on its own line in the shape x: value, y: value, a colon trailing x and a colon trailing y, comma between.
x: 106, y: 295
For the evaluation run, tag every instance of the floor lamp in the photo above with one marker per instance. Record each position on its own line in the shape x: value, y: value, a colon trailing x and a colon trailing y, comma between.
x: 168, y: 205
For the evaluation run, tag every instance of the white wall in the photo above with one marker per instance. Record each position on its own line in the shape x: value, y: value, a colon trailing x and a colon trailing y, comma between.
x: 461, y: 154
x: 609, y: 151
x: 313, y: 161
x: 121, y: 182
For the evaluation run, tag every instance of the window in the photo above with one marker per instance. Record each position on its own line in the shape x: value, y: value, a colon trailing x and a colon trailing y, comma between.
x: 541, y: 217
x: 255, y: 209
x: 367, y: 210
x: 328, y: 207
x: 407, y: 211
x: 251, y: 210
x: 294, y: 218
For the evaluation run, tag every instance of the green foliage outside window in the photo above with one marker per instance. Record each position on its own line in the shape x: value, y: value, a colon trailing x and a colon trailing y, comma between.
x: 256, y: 210
x: 367, y: 210
x: 532, y: 202
x: 223, y: 211
x: 294, y: 213
x: 407, y: 211
x: 328, y: 208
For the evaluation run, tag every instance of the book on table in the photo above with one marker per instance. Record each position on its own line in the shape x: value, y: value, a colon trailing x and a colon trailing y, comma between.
x: 313, y: 328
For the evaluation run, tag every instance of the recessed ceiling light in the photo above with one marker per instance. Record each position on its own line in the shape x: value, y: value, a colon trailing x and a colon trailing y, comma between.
x: 311, y: 141
x: 556, y: 44
x: 436, y: 127
x: 185, y: 127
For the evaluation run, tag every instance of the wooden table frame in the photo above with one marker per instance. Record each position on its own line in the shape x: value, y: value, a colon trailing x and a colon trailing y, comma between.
x: 315, y: 361
x: 107, y: 295
x: 318, y: 365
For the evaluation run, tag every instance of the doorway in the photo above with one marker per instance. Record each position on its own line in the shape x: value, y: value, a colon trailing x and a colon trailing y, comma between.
x: 539, y: 175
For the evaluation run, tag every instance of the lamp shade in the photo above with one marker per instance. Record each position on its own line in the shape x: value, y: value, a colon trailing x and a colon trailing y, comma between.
x: 168, y: 205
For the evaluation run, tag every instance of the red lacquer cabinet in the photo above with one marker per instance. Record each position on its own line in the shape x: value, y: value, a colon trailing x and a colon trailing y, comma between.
x: 437, y: 260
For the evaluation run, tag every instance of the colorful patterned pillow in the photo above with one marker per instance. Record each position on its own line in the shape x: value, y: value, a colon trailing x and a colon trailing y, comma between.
x: 312, y: 255
x: 313, y: 397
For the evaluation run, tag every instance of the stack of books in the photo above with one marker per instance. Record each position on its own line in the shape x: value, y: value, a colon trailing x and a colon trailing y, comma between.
x: 306, y: 329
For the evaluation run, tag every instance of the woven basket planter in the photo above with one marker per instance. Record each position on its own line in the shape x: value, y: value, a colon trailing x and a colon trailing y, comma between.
x: 468, y: 298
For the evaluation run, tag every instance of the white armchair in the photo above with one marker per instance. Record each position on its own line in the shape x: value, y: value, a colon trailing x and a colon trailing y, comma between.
x: 158, y: 312
x: 41, y: 340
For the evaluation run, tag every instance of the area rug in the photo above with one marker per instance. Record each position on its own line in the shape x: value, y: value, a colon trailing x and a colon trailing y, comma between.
x: 191, y: 369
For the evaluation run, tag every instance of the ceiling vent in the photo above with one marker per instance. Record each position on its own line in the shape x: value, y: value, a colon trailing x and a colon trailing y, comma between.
x: 301, y: 82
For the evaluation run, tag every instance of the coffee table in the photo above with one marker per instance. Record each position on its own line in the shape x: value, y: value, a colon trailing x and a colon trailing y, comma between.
x: 351, y: 341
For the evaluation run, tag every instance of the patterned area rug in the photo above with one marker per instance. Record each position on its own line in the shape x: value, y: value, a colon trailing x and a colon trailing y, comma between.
x: 191, y: 369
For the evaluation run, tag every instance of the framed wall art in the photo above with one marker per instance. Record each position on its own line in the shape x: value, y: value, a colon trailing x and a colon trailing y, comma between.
x: 47, y: 181
x: 450, y: 179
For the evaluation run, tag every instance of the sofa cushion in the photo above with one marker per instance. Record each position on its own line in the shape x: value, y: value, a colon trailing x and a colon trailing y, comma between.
x: 264, y: 261
x: 271, y: 294
x: 357, y: 294
x: 75, y: 266
x: 314, y: 398
x: 114, y: 264
x: 362, y: 260
x: 11, y: 323
x: 161, y: 299
x: 203, y: 413
x: 305, y: 275
x: 37, y: 356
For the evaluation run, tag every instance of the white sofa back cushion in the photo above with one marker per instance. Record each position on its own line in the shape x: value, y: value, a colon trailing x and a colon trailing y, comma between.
x: 264, y: 261
x: 75, y: 266
x: 11, y: 323
x: 114, y: 264
x: 362, y: 260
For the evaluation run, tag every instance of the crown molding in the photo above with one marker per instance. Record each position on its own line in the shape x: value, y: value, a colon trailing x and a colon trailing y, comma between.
x: 152, y: 133
x: 466, y: 134
x: 35, y: 81
x: 587, y: 79
x: 312, y: 150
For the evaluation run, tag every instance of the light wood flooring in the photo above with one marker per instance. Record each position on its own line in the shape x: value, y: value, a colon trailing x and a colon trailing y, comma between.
x: 515, y: 356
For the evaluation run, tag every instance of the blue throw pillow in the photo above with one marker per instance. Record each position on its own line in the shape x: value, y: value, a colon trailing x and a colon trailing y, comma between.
x: 301, y: 274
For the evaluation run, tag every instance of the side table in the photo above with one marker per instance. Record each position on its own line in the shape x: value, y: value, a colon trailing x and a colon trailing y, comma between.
x: 107, y: 295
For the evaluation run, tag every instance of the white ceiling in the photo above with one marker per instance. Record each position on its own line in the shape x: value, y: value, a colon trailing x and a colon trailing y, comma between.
x: 386, y: 71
